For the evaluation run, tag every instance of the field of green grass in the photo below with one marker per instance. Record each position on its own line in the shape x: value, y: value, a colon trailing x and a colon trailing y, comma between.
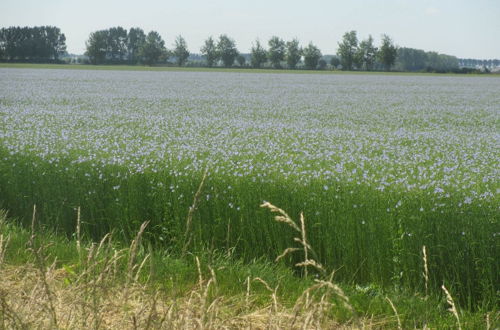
x: 380, y: 166
x: 214, y: 69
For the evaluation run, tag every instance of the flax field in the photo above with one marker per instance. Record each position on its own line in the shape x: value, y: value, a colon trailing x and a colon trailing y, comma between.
x: 380, y: 166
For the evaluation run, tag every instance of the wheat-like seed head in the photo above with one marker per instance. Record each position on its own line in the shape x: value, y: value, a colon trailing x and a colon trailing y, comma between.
x: 426, y: 271
x: 452, y: 309
x: 287, y: 220
x: 312, y: 263
x: 395, y: 312
x: 258, y: 279
x: 283, y: 217
x: 287, y: 251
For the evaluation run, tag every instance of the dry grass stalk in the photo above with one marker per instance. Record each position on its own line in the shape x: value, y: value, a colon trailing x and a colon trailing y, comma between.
x: 306, y: 248
x: 426, y: 271
x: 188, y: 235
x: 312, y: 307
x: 452, y: 309
x: 40, y: 265
x: 395, y: 312
x: 283, y: 217
x: 492, y: 318
x: 304, y: 244
x: 4, y: 241
x: 274, y: 307
x: 286, y: 252
x: 200, y: 276
x: 78, y: 232
x: 311, y: 263
x: 247, y: 295
x: 134, y: 246
x: 23, y: 299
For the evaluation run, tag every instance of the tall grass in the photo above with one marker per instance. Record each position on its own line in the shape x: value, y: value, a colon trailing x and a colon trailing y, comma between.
x: 49, y: 281
x: 364, y: 245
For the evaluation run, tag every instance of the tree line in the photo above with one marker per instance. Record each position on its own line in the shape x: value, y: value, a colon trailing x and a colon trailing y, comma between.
x: 410, y: 59
x: 475, y: 63
x: 116, y: 45
x: 32, y: 44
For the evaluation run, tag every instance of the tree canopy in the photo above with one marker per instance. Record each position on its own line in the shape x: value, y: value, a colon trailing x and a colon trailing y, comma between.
x: 312, y: 54
x: 97, y: 47
x: 226, y: 48
x: 387, y: 53
x: 181, y: 51
x: 135, y: 40
x: 153, y: 48
x: 293, y: 53
x: 347, y: 50
x: 258, y: 55
x: 35, y: 44
x: 116, y: 46
x: 366, y: 54
x: 276, y: 52
x: 209, y: 51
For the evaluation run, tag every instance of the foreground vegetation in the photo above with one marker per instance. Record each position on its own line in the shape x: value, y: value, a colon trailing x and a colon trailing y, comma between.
x: 49, y: 281
x: 380, y: 165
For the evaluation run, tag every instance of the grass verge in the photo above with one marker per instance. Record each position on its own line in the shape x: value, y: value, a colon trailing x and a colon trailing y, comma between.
x: 50, y: 281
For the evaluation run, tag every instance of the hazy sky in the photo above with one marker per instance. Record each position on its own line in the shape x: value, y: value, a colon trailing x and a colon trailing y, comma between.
x: 464, y: 28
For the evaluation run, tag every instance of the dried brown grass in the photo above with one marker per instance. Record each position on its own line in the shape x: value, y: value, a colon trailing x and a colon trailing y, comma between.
x: 104, y: 291
x: 101, y: 302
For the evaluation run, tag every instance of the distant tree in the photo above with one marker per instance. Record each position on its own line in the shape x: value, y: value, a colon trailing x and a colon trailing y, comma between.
x: 97, y: 47
x: 387, y: 53
x: 153, y: 48
x: 258, y: 55
x: 348, y: 49
x: 312, y: 54
x: 181, y: 51
x: 410, y: 59
x: 335, y: 61
x: 293, y: 53
x: 209, y: 51
x: 3, y: 44
x: 34, y: 44
x: 135, y: 40
x: 450, y: 63
x: 52, y: 41
x: 442, y: 63
x: 226, y: 48
x: 367, y: 54
x: 241, y: 60
x: 276, y: 52
x: 116, y: 44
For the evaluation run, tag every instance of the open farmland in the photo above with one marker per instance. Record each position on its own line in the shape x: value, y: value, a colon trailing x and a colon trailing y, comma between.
x: 381, y: 165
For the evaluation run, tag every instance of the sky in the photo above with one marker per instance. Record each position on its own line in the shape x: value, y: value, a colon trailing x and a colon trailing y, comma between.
x: 464, y: 28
